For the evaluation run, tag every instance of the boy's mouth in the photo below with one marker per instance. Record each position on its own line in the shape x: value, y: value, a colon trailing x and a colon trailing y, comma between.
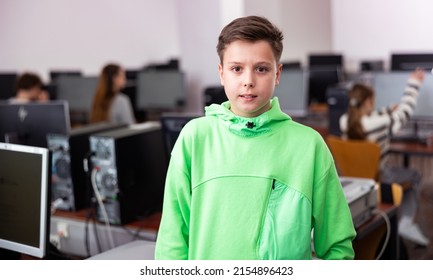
x: 248, y: 96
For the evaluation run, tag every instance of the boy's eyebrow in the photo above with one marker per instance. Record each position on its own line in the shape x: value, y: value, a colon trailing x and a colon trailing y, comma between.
x: 256, y: 63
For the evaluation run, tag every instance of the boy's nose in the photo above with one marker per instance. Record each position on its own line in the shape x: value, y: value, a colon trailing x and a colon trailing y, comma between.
x: 249, y: 79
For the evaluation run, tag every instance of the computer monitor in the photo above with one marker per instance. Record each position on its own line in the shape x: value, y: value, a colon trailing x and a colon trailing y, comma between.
x: 172, y: 124
x: 131, y: 74
x: 30, y: 123
x: 78, y: 91
x: 214, y: 95
x: 8, y: 84
x: 160, y: 89
x: 332, y: 60
x: 55, y: 74
x: 389, y: 88
x: 172, y: 64
x: 291, y: 65
x: 372, y: 65
x: 319, y: 80
x: 411, y: 61
x: 292, y: 92
x: 24, y: 199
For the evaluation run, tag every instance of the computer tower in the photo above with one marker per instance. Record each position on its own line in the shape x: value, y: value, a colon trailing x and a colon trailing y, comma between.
x: 69, y: 181
x: 129, y: 169
x: 337, y: 105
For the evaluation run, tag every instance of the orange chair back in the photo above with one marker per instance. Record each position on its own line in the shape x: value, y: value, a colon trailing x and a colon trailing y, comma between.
x: 355, y: 158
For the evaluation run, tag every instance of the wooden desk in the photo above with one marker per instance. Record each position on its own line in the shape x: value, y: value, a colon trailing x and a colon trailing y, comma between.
x: 411, y: 149
x: 150, y: 222
x: 371, y: 232
x: 147, y: 228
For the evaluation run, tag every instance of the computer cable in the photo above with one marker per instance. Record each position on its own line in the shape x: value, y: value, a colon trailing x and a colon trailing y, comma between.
x: 91, y: 207
x: 86, y: 232
x: 102, y: 207
x: 388, y: 232
x: 135, y: 234
x: 90, y: 215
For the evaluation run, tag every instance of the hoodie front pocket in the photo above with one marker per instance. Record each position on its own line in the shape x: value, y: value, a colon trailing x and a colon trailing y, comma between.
x: 286, y: 232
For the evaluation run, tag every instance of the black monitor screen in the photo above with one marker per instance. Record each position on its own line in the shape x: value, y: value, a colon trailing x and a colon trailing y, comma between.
x: 30, y: 123
x: 131, y: 74
x: 325, y: 60
x: 372, y: 65
x: 7, y: 85
x: 409, y: 62
x: 319, y: 80
x: 24, y: 201
x: 214, y: 95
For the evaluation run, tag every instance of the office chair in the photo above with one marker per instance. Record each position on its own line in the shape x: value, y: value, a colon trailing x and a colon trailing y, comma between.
x: 355, y: 158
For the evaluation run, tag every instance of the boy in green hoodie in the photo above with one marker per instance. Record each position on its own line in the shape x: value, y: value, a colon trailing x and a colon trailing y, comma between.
x: 245, y: 181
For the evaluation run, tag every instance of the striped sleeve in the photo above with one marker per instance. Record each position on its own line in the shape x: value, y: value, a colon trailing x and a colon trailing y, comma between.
x: 407, y: 105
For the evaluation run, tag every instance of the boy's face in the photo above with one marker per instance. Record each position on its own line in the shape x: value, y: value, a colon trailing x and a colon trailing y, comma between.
x: 249, y: 74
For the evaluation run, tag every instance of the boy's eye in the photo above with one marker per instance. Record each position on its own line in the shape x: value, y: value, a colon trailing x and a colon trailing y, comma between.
x: 262, y: 69
x: 236, y: 68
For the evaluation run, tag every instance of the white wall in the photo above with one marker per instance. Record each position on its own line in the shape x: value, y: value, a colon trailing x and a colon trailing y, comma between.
x: 40, y: 35
x: 306, y: 25
x: 372, y: 29
x: 199, y: 24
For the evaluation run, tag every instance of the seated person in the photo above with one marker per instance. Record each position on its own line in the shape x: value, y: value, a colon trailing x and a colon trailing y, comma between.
x: 29, y: 88
x: 109, y: 103
x: 362, y: 122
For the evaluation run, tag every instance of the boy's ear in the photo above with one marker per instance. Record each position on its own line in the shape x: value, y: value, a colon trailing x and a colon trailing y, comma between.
x: 278, y: 75
x: 220, y: 71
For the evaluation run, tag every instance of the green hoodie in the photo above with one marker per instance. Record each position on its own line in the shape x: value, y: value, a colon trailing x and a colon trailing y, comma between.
x: 252, y: 188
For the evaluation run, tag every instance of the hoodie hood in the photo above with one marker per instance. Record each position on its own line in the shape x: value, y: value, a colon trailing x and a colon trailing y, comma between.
x: 248, y: 127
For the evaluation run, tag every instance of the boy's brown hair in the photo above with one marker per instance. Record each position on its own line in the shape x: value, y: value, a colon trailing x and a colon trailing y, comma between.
x: 252, y: 29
